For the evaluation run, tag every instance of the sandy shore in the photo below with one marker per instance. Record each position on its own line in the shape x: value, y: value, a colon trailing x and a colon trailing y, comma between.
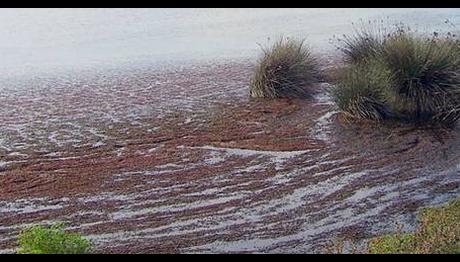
x: 180, y: 160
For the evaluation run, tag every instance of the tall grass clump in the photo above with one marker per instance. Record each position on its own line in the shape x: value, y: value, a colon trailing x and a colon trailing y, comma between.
x: 419, y: 78
x: 438, y: 231
x: 426, y: 74
x: 286, y: 69
x: 365, y: 42
x: 359, y: 93
x: 52, y: 240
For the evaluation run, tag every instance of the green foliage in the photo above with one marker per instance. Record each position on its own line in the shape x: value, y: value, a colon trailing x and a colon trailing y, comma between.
x: 426, y: 75
x: 392, y: 244
x: 365, y: 42
x: 438, y: 232
x: 285, y: 70
x: 52, y: 240
x: 359, y: 93
x: 419, y: 76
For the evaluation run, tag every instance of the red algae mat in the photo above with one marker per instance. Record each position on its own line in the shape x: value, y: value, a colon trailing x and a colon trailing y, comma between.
x: 179, y: 160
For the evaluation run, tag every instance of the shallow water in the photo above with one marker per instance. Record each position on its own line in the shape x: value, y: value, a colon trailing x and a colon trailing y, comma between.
x: 102, y: 150
x: 37, y: 40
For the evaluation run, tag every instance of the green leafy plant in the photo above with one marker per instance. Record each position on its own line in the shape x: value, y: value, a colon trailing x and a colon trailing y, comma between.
x: 51, y: 240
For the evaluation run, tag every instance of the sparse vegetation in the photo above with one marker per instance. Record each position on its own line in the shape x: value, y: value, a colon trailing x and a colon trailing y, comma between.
x: 285, y: 70
x: 51, y: 240
x: 438, y: 232
x: 400, y: 74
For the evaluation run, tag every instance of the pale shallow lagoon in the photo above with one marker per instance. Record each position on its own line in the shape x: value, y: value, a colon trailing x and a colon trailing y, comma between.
x: 38, y: 40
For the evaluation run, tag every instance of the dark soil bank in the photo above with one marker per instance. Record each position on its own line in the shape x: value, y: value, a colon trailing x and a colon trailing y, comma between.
x: 179, y: 160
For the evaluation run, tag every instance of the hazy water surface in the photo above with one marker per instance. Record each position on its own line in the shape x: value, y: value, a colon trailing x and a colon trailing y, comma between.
x: 46, y: 39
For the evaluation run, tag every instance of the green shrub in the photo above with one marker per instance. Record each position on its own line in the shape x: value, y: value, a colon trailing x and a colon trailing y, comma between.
x: 52, y: 240
x: 438, y: 232
x: 285, y: 70
x: 359, y: 93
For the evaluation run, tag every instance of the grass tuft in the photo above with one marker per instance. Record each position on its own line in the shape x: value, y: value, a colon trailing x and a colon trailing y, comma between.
x: 417, y: 77
x: 359, y: 93
x: 426, y: 75
x: 286, y: 69
x: 365, y: 42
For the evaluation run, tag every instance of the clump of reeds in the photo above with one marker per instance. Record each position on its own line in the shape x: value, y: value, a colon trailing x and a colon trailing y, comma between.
x: 365, y: 42
x: 413, y: 76
x: 426, y: 74
x: 286, y: 69
x: 359, y: 93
